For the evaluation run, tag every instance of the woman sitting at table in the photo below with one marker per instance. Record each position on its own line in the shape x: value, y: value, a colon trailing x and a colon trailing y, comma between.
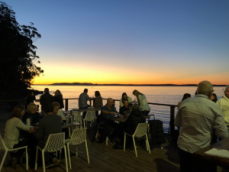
x: 125, y: 97
x: 12, y: 129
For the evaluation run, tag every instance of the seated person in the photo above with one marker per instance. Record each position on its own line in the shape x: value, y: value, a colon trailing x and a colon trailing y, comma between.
x: 32, y: 114
x: 12, y: 129
x: 125, y: 97
x: 49, y: 124
x: 108, y: 112
x: 58, y: 111
x: 125, y: 109
x: 132, y: 122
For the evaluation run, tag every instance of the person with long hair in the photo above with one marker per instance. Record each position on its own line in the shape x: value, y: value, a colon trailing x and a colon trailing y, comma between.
x: 58, y: 97
x: 12, y: 130
x: 124, y: 98
x: 185, y: 96
x: 143, y: 104
x: 98, y: 102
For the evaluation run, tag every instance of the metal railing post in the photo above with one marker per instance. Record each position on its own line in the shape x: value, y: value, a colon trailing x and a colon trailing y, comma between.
x: 66, y: 104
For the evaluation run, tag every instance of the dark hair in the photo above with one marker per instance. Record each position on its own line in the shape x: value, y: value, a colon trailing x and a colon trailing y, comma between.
x: 85, y: 90
x: 185, y: 96
x: 17, y: 111
x: 97, y: 94
x: 123, y: 99
x: 215, y: 97
x: 46, y: 90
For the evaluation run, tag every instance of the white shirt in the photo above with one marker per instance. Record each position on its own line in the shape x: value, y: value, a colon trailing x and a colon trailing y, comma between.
x: 197, y: 117
x: 143, y: 103
x: 60, y: 113
x: 83, y: 98
x: 224, y: 105
x: 12, y: 131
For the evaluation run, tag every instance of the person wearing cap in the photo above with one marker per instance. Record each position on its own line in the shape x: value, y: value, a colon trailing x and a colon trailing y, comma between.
x: 49, y: 124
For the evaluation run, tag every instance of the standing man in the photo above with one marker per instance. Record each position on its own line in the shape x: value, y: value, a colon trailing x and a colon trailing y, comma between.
x: 224, y: 105
x: 196, y: 118
x: 46, y: 99
x: 83, y: 98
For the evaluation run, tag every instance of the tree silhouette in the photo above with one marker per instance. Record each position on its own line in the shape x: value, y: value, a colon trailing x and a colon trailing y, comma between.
x: 18, y: 57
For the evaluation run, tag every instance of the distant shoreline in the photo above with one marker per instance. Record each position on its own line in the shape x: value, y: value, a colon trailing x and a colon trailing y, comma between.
x: 89, y: 84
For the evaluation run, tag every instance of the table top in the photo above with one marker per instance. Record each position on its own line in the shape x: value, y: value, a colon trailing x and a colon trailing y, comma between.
x: 71, y: 125
x: 87, y: 109
x: 224, y: 144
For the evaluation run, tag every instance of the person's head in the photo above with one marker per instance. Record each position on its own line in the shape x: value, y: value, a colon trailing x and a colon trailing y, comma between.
x: 213, y: 97
x: 18, y: 112
x: 185, y: 96
x: 124, y: 96
x: 48, y: 108
x: 136, y: 92
x: 32, y: 108
x: 97, y: 94
x: 56, y: 107
x: 85, y: 90
x: 126, y: 103
x: 110, y: 102
x: 226, y: 92
x: 205, y: 88
x: 135, y: 110
x: 46, y: 90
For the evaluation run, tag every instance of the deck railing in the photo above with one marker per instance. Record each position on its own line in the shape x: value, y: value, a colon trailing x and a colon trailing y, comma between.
x: 172, y: 108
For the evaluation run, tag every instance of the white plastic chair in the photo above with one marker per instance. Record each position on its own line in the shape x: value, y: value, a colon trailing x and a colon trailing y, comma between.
x: 4, y: 148
x: 76, y: 117
x: 89, y: 117
x: 79, y: 135
x: 140, y: 131
x: 54, y: 143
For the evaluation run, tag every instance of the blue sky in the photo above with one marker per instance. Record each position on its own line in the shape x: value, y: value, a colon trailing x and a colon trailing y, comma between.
x: 115, y: 41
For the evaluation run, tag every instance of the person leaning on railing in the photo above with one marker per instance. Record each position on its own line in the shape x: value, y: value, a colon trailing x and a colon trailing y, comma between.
x: 12, y: 129
x: 143, y: 104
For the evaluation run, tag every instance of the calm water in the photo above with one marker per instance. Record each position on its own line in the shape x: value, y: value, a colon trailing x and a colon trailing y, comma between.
x: 159, y: 94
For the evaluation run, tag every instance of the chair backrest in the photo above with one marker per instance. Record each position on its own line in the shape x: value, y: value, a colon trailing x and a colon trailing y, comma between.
x: 90, y: 116
x: 55, y: 142
x: 76, y: 116
x: 78, y: 136
x: 2, y: 144
x: 141, y: 130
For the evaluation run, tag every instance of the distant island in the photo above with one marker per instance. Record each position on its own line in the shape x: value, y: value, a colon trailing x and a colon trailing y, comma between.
x: 91, y: 84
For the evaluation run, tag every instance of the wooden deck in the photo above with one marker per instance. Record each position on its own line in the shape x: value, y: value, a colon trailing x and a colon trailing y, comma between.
x: 106, y: 159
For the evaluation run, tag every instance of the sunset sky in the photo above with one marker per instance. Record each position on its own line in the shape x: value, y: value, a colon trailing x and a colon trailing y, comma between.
x: 129, y: 41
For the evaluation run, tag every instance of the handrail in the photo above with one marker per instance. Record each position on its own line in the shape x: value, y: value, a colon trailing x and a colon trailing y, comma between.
x: 172, y: 108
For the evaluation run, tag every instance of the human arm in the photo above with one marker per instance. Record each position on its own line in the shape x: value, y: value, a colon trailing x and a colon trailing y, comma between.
x: 178, y: 119
x: 22, y: 126
x: 220, y: 125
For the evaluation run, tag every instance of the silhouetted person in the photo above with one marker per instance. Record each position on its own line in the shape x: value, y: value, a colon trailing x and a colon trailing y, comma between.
x: 46, y: 99
x: 58, y: 97
x: 185, y: 96
x: 83, y: 98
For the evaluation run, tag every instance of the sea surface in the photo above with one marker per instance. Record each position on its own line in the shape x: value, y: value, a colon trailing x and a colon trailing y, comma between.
x: 154, y: 94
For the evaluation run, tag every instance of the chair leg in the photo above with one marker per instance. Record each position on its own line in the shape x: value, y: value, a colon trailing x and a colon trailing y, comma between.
x: 107, y: 140
x: 77, y: 153
x: 124, y: 143
x: 66, y: 158
x: 36, y: 159
x: 135, y: 147
x: 147, y: 140
x: 27, y: 158
x: 60, y: 154
x: 3, y: 160
x: 69, y: 156
x: 88, y: 159
x: 43, y: 160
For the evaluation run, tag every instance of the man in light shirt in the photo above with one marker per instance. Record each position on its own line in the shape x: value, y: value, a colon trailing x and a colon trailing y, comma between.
x: 83, y: 98
x: 224, y: 105
x: 196, y: 118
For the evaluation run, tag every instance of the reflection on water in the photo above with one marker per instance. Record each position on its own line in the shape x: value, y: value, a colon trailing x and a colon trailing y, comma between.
x: 154, y: 94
